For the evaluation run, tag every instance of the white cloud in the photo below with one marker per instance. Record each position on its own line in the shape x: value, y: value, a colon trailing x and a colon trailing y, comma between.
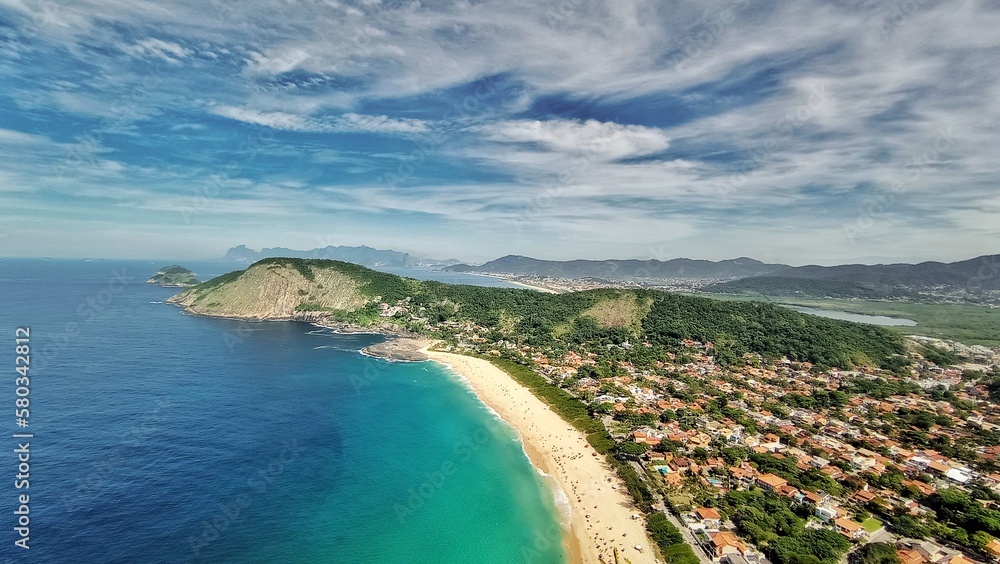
x: 277, y: 64
x: 378, y: 124
x: 604, y: 140
x: 886, y: 91
x: 349, y: 122
x: 274, y: 120
x: 152, y: 47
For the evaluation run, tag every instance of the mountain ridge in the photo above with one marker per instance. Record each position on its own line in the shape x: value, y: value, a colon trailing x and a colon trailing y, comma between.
x: 363, y: 255
x: 977, y: 276
x: 652, y: 268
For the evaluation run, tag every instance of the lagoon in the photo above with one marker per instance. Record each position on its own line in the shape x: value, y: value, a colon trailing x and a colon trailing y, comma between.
x: 855, y: 317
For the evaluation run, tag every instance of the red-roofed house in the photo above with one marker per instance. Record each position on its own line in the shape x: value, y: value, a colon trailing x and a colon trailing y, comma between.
x: 849, y: 529
x: 724, y: 543
x: 770, y: 481
x: 709, y: 517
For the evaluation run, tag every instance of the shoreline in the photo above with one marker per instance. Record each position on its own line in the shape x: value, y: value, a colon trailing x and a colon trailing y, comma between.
x: 600, y: 508
x: 542, y: 289
x: 410, y: 349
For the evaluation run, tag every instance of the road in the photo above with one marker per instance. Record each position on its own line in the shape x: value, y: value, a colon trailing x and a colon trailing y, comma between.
x: 685, y: 532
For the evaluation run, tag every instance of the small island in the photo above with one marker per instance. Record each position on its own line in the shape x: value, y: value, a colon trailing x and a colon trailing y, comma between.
x: 174, y: 276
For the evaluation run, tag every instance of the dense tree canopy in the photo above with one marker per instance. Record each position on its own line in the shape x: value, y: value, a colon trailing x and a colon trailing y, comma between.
x: 875, y: 553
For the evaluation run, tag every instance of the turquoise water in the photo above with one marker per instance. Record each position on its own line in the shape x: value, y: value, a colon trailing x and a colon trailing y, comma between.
x: 161, y: 437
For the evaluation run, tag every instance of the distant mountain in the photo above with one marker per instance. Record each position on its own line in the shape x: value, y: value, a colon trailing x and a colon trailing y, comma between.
x: 626, y: 269
x: 365, y: 256
x: 975, y: 277
x: 981, y: 272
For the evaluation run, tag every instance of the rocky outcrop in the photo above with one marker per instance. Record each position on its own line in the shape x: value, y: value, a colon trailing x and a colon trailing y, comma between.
x: 274, y: 291
x: 173, y: 276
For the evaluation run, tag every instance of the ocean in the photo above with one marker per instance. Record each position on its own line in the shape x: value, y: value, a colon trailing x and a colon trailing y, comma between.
x: 163, y: 437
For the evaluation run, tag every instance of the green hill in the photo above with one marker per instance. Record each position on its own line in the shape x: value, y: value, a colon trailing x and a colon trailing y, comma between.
x: 311, y: 289
x: 785, y: 286
x: 173, y: 276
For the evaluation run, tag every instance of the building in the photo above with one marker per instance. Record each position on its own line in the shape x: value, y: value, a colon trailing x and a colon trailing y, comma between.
x: 771, y: 482
x: 993, y: 549
x: 709, y: 517
x: 725, y: 543
x: 849, y: 529
x: 826, y: 514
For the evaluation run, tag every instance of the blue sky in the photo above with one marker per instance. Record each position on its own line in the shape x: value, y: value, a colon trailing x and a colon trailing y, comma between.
x: 797, y: 132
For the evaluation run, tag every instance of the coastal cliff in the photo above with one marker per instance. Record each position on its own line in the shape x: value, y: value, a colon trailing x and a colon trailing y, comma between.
x: 272, y: 289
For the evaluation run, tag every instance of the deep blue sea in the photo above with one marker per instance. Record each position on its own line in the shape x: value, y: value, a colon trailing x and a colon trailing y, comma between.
x: 162, y: 437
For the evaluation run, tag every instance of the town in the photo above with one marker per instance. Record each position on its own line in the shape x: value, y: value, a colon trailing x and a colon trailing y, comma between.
x: 767, y: 460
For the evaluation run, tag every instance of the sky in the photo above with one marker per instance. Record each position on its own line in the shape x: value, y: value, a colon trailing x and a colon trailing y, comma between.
x: 797, y: 132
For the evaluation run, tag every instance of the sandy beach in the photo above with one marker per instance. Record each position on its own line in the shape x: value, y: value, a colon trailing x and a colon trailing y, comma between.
x: 601, y: 510
x: 542, y: 289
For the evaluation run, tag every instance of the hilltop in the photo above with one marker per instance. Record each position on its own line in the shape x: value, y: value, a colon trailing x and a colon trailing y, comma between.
x: 337, y: 292
x: 174, y: 276
x: 973, y: 280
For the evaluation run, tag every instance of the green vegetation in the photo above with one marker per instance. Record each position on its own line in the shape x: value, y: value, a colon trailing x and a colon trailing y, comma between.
x: 962, y: 519
x: 875, y: 553
x: 219, y: 281
x: 769, y: 523
x: 571, y: 409
x: 571, y: 349
x: 670, y: 540
x: 939, y: 356
x: 783, y: 286
x: 871, y: 525
x: 773, y: 331
x: 966, y: 323
x: 173, y: 275
x: 622, y: 311
x: 812, y: 480
x: 608, y: 318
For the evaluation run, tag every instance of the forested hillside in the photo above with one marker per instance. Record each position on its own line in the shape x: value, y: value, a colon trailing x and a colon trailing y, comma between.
x: 347, y: 292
